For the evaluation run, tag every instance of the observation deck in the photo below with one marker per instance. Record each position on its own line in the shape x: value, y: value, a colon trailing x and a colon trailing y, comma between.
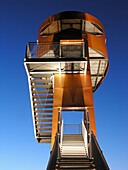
x: 65, y: 56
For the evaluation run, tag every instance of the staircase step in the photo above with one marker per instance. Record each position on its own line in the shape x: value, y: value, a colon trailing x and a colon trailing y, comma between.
x: 43, y: 111
x: 41, y: 75
x: 42, y: 91
x: 73, y: 144
x: 74, y: 163
x: 74, y: 154
x: 76, y: 167
x: 45, y: 124
x: 43, y: 101
x: 44, y: 120
x: 73, y: 151
x: 42, y: 96
x: 73, y: 147
x: 70, y: 159
x: 41, y: 86
x: 43, y: 106
x: 77, y: 159
x: 44, y: 129
x: 40, y: 80
x: 73, y: 141
x: 43, y: 116
x: 44, y: 133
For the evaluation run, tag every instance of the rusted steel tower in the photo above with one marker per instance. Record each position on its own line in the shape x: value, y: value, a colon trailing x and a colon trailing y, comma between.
x: 65, y: 66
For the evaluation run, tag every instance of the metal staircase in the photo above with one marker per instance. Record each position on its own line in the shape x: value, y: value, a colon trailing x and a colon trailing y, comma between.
x: 41, y: 90
x: 73, y: 154
x: 73, y: 145
x: 75, y: 163
x: 74, y: 151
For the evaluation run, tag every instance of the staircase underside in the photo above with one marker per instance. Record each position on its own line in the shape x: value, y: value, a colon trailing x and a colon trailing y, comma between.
x: 41, y: 92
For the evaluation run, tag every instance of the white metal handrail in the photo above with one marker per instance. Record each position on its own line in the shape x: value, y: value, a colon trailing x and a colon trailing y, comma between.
x: 85, y: 136
x: 61, y: 133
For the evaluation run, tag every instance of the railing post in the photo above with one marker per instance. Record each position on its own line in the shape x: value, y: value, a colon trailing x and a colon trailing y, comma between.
x: 61, y: 134
x: 90, y: 146
x: 85, y: 135
x: 59, y: 131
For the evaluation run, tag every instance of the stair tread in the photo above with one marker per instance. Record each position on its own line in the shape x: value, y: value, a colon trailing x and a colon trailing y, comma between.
x: 44, y: 124
x: 43, y: 111
x: 41, y: 81
x: 43, y: 116
x: 43, y: 106
x: 42, y: 96
x: 42, y: 86
x: 42, y: 91
x: 44, y: 120
x: 43, y: 101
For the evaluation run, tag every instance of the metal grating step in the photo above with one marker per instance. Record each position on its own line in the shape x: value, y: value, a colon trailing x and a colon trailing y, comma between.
x: 43, y: 101
x: 42, y: 86
x: 43, y: 116
x: 44, y: 129
x: 75, y: 163
x: 44, y: 133
x: 42, y: 96
x: 47, y: 124
x: 43, y: 111
x: 41, y: 75
x: 40, y: 81
x: 42, y: 91
x: 44, y: 120
x: 43, y: 106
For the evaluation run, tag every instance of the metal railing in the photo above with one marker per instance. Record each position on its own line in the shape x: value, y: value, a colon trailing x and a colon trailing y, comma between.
x: 85, y: 135
x: 55, y: 50
x: 61, y: 133
x: 72, y: 129
x: 97, y: 154
x: 54, y: 155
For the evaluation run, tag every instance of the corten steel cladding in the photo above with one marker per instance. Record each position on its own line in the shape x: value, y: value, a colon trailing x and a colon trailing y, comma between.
x: 73, y: 90
x: 97, y: 43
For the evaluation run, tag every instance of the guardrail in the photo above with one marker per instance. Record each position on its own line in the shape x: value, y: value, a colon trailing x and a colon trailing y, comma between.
x: 72, y: 129
x: 54, y: 154
x: 97, y: 154
x: 61, y: 133
x: 85, y: 135
x: 55, y: 49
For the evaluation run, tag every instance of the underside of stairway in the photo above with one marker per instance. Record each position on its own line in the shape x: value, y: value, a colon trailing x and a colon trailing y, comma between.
x: 41, y: 92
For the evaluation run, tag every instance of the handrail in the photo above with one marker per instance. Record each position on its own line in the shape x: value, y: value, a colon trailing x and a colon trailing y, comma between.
x: 61, y: 133
x: 85, y: 136
x: 72, y: 128
x: 54, y: 154
x: 99, y: 150
x: 52, y: 49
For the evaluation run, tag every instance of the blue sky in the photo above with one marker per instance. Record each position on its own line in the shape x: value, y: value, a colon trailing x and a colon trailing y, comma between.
x: 19, y: 23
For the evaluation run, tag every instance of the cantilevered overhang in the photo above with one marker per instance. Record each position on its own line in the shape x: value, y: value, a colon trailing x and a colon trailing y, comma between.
x: 57, y: 57
x: 91, y: 30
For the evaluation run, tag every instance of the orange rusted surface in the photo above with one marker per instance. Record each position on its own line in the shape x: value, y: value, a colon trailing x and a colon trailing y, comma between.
x: 72, y: 90
x: 97, y: 43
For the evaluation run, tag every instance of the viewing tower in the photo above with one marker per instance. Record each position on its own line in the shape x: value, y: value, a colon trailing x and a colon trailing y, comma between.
x: 65, y: 67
